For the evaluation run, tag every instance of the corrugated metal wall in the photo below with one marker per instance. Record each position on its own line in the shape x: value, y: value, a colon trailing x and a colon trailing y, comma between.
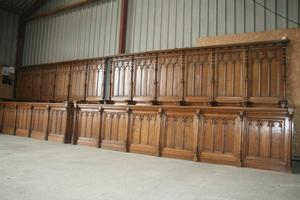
x: 163, y: 24
x: 85, y: 32
x: 8, y: 37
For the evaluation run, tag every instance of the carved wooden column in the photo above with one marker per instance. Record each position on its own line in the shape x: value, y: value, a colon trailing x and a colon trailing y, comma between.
x: 109, y: 74
x: 245, y: 102
x: 75, y: 124
x: 30, y: 122
x: 99, y: 139
x: 128, y: 112
x: 159, y: 131
x: 48, y: 121
x: 16, y: 113
x: 213, y: 80
x: 196, y: 130
x: 283, y: 102
x: 240, y: 139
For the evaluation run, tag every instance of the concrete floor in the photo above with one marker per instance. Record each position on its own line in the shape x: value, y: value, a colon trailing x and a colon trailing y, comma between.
x: 32, y: 169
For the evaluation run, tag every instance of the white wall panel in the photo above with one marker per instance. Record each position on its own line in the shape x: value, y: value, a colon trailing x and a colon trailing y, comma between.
x: 8, y: 37
x: 85, y: 32
x: 163, y: 24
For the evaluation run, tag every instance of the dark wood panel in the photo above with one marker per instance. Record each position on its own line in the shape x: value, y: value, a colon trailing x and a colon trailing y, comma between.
x: 267, y: 75
x: 36, y: 83
x: 121, y: 79
x: 48, y: 83
x: 267, y: 143
x: 144, y: 75
x: 96, y: 81
x: 88, y: 125
x: 144, y: 133
x: 23, y: 120
x: 198, y: 77
x: 177, y: 134
x: 39, y: 121
x: 230, y: 76
x: 170, y: 78
x: 59, y: 129
x: 62, y: 82
x: 114, y: 134
x: 78, y: 81
x: 220, y: 139
x: 9, y: 118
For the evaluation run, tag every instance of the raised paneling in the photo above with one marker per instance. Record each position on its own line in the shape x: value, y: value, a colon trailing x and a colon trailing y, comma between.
x: 177, y: 135
x: 58, y: 129
x: 266, y: 74
x: 24, y: 84
x: 88, y: 127
x: 78, y: 81
x: 170, y: 77
x: 219, y: 139
x: 62, y: 82
x: 95, y: 80
x: 48, y: 83
x: 121, y: 79
x: 23, y: 120
x: 198, y: 77
x: 36, y: 76
x: 9, y: 119
x: 39, y: 121
x: 144, y: 78
x: 266, y: 143
x: 144, y: 132
x: 115, y: 129
x: 230, y: 76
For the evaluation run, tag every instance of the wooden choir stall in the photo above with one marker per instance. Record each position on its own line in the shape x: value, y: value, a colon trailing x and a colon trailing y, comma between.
x: 218, y: 104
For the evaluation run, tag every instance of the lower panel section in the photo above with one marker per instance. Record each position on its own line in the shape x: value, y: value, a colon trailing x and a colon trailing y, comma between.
x: 238, y: 136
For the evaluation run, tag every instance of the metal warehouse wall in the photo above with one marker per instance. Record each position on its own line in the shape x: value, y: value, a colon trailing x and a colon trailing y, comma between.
x: 85, y: 32
x: 163, y: 24
x: 8, y: 37
x: 50, y: 4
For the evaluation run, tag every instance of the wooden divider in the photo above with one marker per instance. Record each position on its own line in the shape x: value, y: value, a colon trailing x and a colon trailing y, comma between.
x: 221, y: 104
x: 237, y: 75
x: 46, y: 121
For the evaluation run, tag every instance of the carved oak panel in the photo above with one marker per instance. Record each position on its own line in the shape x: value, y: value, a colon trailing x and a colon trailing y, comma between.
x: 24, y: 84
x: 177, y: 135
x: 58, y: 124
x: 144, y: 79
x: 62, y: 82
x: 95, y: 81
x: 78, y: 81
x: 266, y: 75
x: 170, y: 78
x: 198, y: 77
x: 36, y: 83
x: 39, y: 121
x: 114, y: 132
x: 230, y: 76
x: 267, y: 143
x: 23, y: 120
x: 121, y: 78
x: 9, y: 119
x: 89, y: 121
x: 144, y: 132
x: 48, y: 83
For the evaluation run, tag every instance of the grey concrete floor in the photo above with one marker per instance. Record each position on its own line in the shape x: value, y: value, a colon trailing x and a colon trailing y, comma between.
x: 32, y: 169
